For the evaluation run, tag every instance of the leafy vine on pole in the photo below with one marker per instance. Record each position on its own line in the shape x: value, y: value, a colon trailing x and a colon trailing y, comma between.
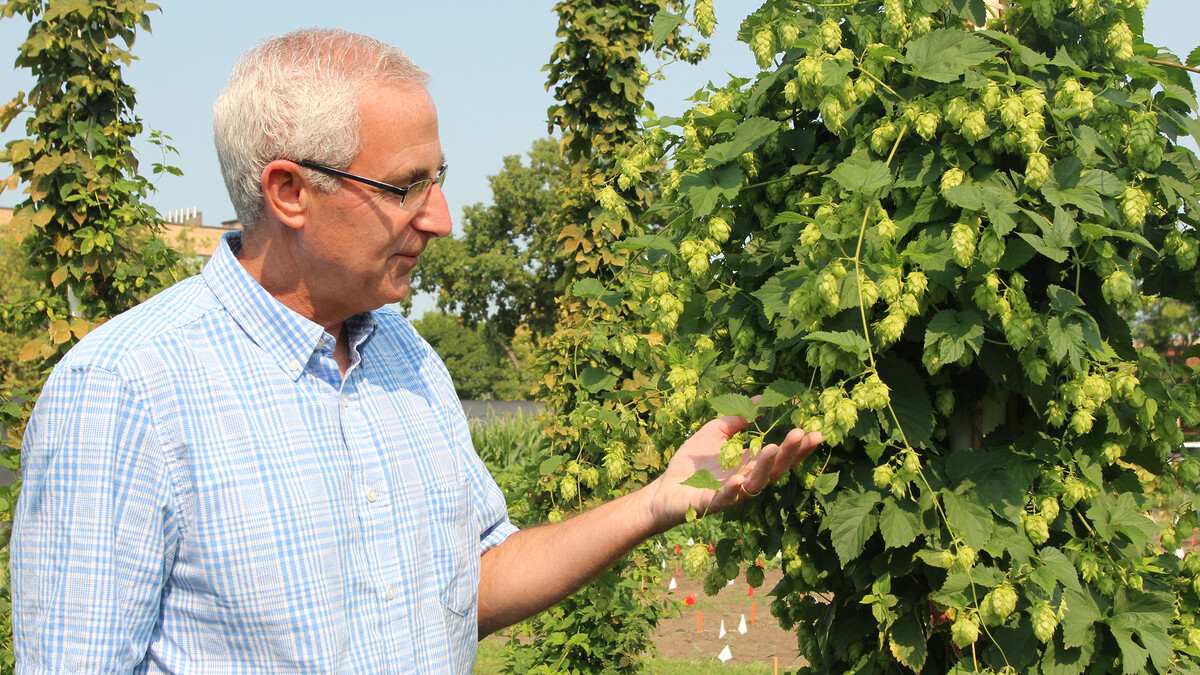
x: 88, y: 236
x: 916, y: 230
x: 599, y: 81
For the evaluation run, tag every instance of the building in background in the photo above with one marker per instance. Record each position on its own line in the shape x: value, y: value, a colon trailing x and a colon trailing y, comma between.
x: 183, y: 229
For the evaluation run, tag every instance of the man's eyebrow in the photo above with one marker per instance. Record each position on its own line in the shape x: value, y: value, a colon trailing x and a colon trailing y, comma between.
x: 417, y: 173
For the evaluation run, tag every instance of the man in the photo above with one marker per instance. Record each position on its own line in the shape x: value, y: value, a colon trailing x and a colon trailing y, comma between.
x: 260, y: 470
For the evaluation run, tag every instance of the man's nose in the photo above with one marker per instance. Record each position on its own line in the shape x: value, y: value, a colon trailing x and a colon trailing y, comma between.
x: 433, y: 217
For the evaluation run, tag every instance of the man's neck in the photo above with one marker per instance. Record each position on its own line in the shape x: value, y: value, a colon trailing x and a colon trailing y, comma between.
x: 277, y: 273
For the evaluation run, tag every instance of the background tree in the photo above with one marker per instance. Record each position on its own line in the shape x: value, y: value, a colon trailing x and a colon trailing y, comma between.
x: 506, y: 269
x: 479, y: 368
x: 1167, y: 326
x: 15, y: 285
x: 87, y: 236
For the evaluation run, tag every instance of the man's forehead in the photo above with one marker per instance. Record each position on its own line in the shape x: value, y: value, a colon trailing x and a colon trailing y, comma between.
x: 399, y: 121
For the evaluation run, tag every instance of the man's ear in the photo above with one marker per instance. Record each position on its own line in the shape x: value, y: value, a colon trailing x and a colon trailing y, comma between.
x: 285, y: 192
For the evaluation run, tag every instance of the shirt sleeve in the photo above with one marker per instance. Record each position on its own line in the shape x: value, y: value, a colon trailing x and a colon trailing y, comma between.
x: 95, y: 529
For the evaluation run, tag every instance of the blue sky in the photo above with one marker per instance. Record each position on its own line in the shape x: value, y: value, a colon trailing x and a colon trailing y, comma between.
x: 485, y: 58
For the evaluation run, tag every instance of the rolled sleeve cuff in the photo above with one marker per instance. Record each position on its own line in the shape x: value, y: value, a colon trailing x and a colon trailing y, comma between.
x: 496, y: 536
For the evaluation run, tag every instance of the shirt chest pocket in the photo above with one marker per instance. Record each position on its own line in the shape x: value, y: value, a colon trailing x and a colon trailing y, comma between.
x: 455, y: 547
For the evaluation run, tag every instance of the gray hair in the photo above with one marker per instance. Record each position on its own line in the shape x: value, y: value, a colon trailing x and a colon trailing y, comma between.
x: 296, y: 97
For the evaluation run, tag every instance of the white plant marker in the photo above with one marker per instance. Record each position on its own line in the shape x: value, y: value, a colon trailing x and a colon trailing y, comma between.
x: 742, y: 625
x: 691, y: 542
x: 725, y: 655
x: 671, y: 586
x: 730, y: 583
x: 722, y: 633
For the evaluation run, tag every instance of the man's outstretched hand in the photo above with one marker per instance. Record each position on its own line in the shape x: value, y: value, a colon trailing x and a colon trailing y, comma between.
x: 670, y: 498
x: 538, y: 566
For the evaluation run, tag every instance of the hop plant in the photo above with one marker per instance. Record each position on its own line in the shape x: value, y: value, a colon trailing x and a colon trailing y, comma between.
x: 731, y: 452
x: 927, y: 125
x: 952, y: 177
x: 1120, y: 41
x: 962, y: 243
x: 718, y: 229
x: 609, y: 200
x: 998, y: 604
x: 883, y: 475
x: 831, y: 35
x: 964, y: 631
x: 706, y: 19
x: 763, y: 45
x: 695, y: 560
x: 1037, y: 170
x: 871, y: 393
x: 1135, y: 204
x: 1044, y: 620
x: 1036, y: 528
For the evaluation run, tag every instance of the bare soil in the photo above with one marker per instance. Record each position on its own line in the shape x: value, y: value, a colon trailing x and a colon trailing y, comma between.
x: 695, y: 635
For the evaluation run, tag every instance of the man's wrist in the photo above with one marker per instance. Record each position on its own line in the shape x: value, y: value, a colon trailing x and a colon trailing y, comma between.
x: 655, y: 521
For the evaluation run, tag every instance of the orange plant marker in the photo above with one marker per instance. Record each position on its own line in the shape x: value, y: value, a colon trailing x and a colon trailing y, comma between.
x: 775, y: 660
x: 699, y: 621
x: 753, y: 606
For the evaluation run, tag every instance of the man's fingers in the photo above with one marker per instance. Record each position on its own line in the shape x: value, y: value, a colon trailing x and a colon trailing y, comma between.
x: 722, y: 428
x: 775, y: 460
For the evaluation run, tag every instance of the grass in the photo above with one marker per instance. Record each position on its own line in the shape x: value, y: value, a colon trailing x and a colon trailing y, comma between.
x: 491, y: 661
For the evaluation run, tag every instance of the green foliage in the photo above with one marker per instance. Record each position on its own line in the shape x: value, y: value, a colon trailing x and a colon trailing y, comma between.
x: 506, y: 268
x: 918, y: 238
x: 513, y: 448
x: 1166, y: 325
x: 599, y: 82
x: 481, y: 366
x: 87, y: 237
x: 15, y: 284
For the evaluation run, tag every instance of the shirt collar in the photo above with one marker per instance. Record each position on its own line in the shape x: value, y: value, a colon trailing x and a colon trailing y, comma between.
x: 287, y: 337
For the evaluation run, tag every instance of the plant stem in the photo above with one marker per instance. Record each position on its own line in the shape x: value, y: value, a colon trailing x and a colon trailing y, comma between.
x: 1160, y: 62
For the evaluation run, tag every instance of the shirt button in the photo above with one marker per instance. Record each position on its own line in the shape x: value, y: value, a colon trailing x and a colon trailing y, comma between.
x: 345, y: 401
x: 390, y: 593
x: 294, y: 366
x: 371, y: 495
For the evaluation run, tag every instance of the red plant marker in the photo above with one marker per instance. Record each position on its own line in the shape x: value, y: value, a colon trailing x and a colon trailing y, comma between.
x: 690, y: 599
x: 677, y: 549
x: 751, y: 591
x: 711, y: 548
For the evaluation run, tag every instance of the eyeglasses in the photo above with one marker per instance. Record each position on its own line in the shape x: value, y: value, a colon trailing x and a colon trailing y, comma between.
x: 412, y: 196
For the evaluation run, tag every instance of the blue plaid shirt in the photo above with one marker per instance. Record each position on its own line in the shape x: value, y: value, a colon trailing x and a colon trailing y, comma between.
x: 204, y: 493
